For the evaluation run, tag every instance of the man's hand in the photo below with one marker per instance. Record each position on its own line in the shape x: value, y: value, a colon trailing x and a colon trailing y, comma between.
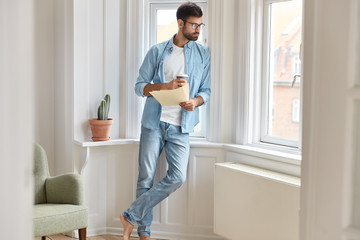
x: 188, y: 105
x: 175, y: 83
x: 192, y: 103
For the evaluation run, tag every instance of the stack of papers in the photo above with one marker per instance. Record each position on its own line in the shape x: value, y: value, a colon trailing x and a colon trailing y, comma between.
x: 172, y: 97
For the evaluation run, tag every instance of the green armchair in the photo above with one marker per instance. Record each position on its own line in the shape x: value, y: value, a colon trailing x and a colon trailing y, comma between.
x: 58, y: 200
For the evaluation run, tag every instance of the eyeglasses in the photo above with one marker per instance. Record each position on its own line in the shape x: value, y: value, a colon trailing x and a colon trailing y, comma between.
x: 195, y: 25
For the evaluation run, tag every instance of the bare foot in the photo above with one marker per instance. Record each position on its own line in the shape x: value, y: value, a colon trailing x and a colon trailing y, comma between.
x: 128, y: 227
x: 145, y: 237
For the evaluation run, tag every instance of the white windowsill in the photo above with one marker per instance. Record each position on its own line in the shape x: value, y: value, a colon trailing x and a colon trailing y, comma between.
x: 194, y: 142
x: 203, y: 143
x: 294, y: 159
x: 256, y: 156
x: 111, y: 142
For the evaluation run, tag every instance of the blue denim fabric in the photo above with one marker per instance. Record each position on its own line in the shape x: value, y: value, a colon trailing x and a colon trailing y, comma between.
x: 176, y: 145
x: 197, y: 67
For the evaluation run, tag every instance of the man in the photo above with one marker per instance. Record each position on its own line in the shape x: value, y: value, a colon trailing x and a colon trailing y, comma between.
x: 168, y: 127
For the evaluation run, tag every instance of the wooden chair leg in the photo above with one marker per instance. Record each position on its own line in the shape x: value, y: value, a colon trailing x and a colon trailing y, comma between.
x: 82, y: 234
x: 43, y: 238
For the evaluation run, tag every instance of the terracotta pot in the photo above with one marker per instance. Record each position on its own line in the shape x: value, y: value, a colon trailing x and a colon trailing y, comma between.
x: 100, y: 129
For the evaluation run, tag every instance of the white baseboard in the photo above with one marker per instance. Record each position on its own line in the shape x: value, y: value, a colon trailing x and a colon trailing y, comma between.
x: 154, y: 234
x: 183, y: 236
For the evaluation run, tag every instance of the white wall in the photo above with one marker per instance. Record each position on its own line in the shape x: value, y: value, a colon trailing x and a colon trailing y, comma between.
x: 99, y: 63
x: 64, y: 81
x: 45, y: 78
x: 223, y: 44
x: 53, y: 82
x: 17, y: 77
x: 330, y: 167
x: 54, y: 98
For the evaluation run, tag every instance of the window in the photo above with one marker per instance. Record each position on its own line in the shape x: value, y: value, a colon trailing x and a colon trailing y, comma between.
x: 162, y: 26
x: 280, y: 98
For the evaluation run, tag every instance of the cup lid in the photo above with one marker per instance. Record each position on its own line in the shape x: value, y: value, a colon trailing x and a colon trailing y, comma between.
x: 183, y: 75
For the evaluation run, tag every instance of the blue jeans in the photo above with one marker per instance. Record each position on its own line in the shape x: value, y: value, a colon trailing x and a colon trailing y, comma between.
x: 152, y: 142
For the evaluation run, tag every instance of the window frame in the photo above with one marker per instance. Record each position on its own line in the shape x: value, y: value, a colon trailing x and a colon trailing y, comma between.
x: 265, y: 79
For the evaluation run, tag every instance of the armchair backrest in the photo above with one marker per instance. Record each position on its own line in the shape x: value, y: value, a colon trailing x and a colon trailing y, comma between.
x: 41, y: 173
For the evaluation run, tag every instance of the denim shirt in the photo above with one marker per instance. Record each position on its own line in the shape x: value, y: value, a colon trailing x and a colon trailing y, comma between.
x: 197, y: 67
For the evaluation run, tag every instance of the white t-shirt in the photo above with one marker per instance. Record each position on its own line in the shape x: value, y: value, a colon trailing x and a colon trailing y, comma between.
x: 174, y: 64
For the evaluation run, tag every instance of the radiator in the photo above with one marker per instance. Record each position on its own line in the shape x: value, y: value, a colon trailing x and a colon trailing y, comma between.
x: 255, y: 204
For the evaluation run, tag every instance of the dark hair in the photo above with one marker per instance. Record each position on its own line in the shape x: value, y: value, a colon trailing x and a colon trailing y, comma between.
x: 188, y: 9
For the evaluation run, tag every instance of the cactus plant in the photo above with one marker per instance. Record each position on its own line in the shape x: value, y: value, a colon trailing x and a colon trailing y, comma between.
x: 107, y: 99
x: 104, y: 107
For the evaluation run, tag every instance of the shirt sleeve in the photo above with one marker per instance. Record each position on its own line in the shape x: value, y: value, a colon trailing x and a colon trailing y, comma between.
x: 204, y: 90
x: 146, y: 72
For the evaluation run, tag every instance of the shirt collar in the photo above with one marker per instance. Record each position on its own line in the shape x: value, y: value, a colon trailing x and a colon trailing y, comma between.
x: 171, y: 43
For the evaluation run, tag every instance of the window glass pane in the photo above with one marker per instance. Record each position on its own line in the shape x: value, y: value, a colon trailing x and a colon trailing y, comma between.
x: 284, y: 64
x: 167, y: 25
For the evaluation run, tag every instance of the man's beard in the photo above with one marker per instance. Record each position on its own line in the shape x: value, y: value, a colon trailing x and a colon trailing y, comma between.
x: 192, y: 36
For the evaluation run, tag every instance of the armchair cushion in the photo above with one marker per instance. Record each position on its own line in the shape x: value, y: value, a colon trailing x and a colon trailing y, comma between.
x: 58, y: 218
x: 66, y: 189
